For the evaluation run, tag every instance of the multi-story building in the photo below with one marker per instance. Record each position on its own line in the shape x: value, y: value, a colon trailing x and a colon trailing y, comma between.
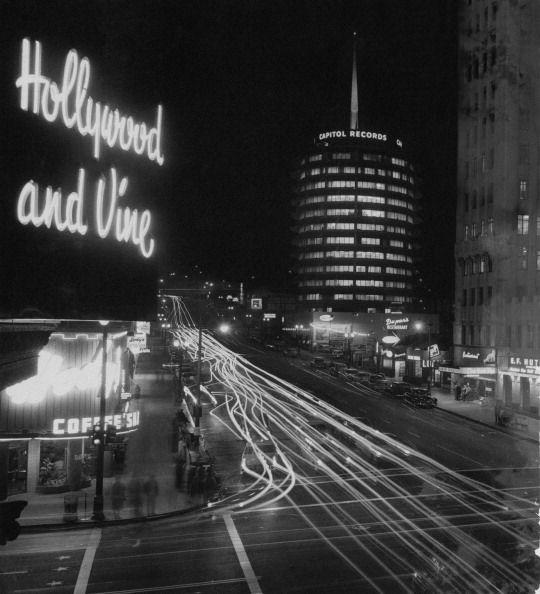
x: 356, y: 215
x: 497, y: 313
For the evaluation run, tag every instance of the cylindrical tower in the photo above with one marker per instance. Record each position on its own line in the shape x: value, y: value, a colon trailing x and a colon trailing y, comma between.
x: 356, y: 215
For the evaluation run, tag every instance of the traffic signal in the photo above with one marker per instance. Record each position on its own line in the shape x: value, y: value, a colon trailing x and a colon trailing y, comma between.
x: 9, y: 512
x: 110, y: 434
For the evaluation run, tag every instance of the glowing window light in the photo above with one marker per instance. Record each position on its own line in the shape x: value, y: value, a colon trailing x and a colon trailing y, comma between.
x: 70, y: 103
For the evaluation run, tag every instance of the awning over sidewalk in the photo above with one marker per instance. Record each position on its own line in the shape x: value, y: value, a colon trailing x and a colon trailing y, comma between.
x: 470, y: 370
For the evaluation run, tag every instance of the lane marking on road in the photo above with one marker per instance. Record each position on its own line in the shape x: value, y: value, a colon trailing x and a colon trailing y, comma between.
x: 173, y: 587
x: 87, y: 562
x: 249, y: 574
x: 413, y: 434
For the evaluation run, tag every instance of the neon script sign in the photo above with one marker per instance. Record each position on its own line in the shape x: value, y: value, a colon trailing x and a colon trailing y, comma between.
x: 70, y: 102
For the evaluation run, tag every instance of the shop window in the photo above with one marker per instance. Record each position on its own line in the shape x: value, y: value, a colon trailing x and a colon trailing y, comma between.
x: 52, y: 468
x: 17, y: 467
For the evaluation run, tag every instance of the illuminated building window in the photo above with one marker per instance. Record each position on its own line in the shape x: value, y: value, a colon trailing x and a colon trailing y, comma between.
x: 397, y: 174
x: 523, y: 224
x: 369, y: 171
x: 393, y: 270
x: 523, y: 189
x: 340, y: 198
x: 369, y: 283
x: 332, y: 170
x: 312, y: 255
x: 370, y: 157
x: 340, y: 240
x: 315, y: 158
x: 340, y: 226
x: 311, y: 200
x: 369, y: 185
x: 336, y: 268
x: 360, y: 268
x: 396, y: 243
x: 371, y: 227
x: 523, y: 257
x: 372, y: 213
x: 537, y: 259
x: 343, y: 297
x: 370, y: 241
x: 371, y: 199
x: 349, y: 170
x: 400, y: 203
x: 474, y: 231
x: 338, y: 212
x: 399, y: 162
x: 398, y: 216
x: 397, y: 285
x: 339, y: 254
x: 369, y: 297
x: 490, y: 225
x: 312, y: 241
x: 370, y: 255
x: 399, y: 189
x: 315, y: 171
x: 310, y: 269
x: 394, y: 229
x: 375, y: 269
x: 309, y: 283
x: 313, y: 297
x: 399, y: 257
x: 381, y: 172
x: 311, y: 213
x: 342, y: 184
x: 339, y: 282
x: 341, y: 155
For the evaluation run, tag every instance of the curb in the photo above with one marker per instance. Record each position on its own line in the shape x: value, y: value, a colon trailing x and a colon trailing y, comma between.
x: 504, y: 430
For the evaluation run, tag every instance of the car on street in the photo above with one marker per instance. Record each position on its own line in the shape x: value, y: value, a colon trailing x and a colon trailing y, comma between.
x: 420, y: 398
x: 291, y: 351
x: 397, y: 389
x: 319, y: 363
x: 252, y: 461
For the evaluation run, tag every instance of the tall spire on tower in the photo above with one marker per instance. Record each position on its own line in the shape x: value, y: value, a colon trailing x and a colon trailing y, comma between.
x: 354, y: 91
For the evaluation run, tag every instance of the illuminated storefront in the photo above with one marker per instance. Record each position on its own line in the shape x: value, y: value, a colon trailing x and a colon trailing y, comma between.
x: 45, y: 419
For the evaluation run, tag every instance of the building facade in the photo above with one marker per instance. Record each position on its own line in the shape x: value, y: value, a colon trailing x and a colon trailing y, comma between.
x: 497, y: 313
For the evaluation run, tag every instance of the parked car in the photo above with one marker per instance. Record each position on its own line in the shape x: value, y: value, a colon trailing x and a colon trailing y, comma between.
x: 375, y: 377
x: 319, y: 363
x: 397, y: 389
x: 420, y: 398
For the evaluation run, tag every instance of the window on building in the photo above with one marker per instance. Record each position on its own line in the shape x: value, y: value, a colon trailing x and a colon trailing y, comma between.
x: 340, y: 240
x: 473, y: 199
x: 489, y: 292
x: 523, y: 257
x: 490, y: 225
x: 349, y: 170
x: 374, y: 269
x: 466, y: 232
x: 343, y: 297
x: 480, y: 296
x: 341, y: 155
x: 474, y: 231
x: 472, y: 296
x: 331, y: 170
x: 315, y: 157
x: 369, y: 171
x: 523, y: 224
x: 466, y: 202
x: 370, y: 241
x: 464, y: 297
x: 523, y: 189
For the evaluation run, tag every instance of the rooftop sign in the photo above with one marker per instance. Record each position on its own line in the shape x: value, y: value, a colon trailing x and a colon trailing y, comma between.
x: 361, y: 134
x: 69, y: 101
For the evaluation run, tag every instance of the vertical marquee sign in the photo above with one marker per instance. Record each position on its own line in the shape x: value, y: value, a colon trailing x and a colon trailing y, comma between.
x: 69, y: 102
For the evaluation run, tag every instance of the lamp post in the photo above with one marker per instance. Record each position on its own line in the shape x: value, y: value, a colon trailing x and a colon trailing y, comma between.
x: 420, y: 326
x: 98, y: 514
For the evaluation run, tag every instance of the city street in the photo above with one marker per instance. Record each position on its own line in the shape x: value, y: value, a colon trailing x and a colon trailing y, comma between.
x: 342, y: 505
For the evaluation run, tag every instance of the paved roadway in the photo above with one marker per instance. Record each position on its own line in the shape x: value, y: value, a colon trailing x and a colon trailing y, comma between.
x: 364, y: 527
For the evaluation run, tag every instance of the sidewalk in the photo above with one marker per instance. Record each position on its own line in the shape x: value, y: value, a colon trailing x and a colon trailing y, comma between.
x: 482, y: 410
x: 149, y: 453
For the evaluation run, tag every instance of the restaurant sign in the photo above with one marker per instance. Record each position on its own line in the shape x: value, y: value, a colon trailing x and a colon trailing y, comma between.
x: 475, y: 356
x: 81, y: 426
x: 530, y: 365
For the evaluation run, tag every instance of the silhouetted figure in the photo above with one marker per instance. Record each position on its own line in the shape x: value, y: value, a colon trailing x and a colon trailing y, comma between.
x: 118, y: 496
x: 135, y: 495
x: 458, y: 392
x: 151, y: 490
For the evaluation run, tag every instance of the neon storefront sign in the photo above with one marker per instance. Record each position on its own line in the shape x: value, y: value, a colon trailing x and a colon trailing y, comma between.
x: 50, y: 378
x: 69, y: 102
x: 77, y: 426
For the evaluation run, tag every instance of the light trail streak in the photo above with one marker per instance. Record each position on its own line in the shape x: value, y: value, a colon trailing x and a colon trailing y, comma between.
x: 308, y: 433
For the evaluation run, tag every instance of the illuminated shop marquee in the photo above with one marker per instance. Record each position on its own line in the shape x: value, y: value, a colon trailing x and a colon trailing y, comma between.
x: 70, y: 102
x: 78, y: 426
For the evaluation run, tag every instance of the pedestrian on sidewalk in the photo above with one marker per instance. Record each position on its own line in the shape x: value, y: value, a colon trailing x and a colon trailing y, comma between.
x: 458, y: 392
x: 151, y: 490
x: 466, y: 391
x: 135, y: 495
x: 118, y: 496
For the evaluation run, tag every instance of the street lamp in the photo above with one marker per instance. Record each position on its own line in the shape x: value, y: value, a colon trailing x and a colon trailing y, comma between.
x: 98, y: 514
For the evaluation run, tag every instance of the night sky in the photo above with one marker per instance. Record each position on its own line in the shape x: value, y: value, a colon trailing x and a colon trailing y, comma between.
x: 245, y: 86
